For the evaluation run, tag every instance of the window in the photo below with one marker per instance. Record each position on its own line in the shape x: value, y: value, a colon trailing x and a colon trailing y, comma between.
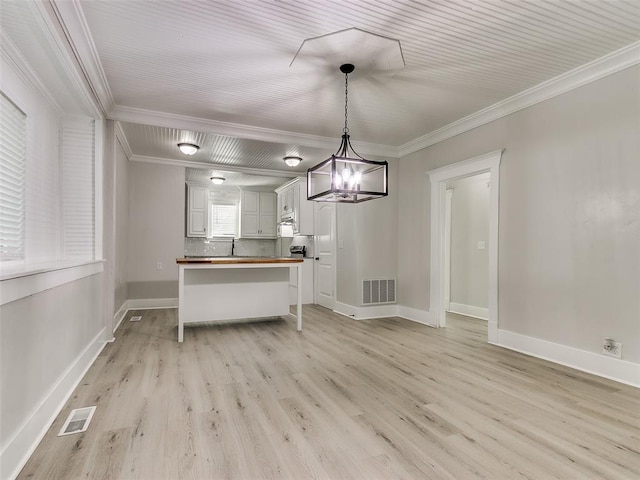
x: 223, y: 221
x: 78, y: 171
x: 12, y: 175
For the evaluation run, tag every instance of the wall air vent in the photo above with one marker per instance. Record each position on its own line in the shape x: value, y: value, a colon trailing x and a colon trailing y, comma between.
x: 77, y: 421
x: 378, y: 291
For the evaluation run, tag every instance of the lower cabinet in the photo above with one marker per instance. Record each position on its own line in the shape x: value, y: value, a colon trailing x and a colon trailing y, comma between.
x: 307, y: 283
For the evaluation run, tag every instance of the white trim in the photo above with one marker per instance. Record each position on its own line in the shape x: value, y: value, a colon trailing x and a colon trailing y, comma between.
x: 488, y: 162
x: 12, y: 55
x: 469, y: 310
x: 141, y: 304
x: 119, y: 315
x: 38, y: 278
x: 447, y: 247
x: 419, y: 316
x: 74, y: 24
x: 365, y: 312
x: 213, y: 165
x: 205, y: 125
x: 384, y: 311
x: 122, y: 139
x: 589, y: 72
x: 65, y: 54
x: 151, y: 303
x: 613, y: 368
x: 22, y: 444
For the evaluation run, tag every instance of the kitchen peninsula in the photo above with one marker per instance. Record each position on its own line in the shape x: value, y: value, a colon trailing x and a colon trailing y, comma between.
x: 220, y: 289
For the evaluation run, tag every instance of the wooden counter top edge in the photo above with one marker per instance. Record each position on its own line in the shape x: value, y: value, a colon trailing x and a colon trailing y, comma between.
x: 237, y: 260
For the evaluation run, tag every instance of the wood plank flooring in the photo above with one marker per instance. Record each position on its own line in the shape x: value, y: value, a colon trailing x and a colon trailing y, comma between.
x: 378, y: 399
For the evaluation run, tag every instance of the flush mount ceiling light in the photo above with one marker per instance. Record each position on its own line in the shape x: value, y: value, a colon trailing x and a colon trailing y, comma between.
x: 188, y: 148
x: 292, y: 161
x: 218, y: 180
x: 346, y: 176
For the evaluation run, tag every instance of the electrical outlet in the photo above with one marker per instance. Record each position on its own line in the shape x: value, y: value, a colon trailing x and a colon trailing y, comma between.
x: 159, y: 266
x: 612, y: 348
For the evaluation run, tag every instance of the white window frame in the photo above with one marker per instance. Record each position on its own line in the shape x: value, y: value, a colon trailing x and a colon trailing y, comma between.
x: 211, y: 231
x: 22, y: 278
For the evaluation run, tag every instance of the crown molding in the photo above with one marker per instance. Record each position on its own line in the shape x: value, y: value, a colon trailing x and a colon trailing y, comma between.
x: 12, y: 55
x: 587, y: 73
x: 74, y: 25
x: 64, y: 51
x: 215, y: 166
x: 185, y: 122
x: 122, y: 139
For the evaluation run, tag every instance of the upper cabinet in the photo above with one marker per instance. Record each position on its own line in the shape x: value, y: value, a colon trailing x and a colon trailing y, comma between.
x: 257, y: 214
x: 197, y: 210
x: 292, y: 201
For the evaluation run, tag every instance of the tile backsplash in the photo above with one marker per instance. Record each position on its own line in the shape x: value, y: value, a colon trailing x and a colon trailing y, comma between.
x: 245, y: 246
x: 222, y: 247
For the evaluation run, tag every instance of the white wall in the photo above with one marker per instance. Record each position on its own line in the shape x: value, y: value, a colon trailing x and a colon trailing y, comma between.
x: 569, y: 241
x: 49, y: 338
x: 469, y: 225
x: 156, y: 229
x: 46, y: 342
x: 367, y: 237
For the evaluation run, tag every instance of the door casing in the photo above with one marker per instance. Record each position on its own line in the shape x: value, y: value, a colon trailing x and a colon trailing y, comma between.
x: 489, y: 162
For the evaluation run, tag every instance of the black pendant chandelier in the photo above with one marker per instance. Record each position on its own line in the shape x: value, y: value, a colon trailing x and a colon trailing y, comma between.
x: 347, y: 177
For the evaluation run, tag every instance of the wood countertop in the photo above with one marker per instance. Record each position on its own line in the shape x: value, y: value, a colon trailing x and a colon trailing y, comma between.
x: 236, y: 260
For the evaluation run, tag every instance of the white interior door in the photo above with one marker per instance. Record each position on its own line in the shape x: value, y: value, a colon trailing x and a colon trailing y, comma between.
x: 325, y: 254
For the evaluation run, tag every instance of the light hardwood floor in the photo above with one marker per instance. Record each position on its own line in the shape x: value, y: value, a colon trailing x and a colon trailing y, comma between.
x: 378, y: 399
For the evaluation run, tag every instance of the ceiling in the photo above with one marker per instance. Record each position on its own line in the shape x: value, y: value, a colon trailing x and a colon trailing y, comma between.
x: 222, y: 73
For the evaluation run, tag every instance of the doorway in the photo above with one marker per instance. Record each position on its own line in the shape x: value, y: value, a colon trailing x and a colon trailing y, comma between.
x: 439, y: 178
x: 465, y: 264
x: 325, y: 254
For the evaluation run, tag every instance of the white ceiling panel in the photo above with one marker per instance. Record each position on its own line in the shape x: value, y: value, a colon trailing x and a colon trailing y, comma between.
x: 228, y: 63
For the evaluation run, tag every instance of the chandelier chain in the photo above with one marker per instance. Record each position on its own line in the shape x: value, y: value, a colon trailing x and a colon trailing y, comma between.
x: 346, y: 103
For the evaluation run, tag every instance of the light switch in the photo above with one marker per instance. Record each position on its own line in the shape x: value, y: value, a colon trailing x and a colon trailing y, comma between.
x: 481, y: 245
x: 159, y: 266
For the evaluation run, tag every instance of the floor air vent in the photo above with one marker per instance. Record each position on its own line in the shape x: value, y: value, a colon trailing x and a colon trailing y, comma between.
x: 77, y: 421
x: 377, y: 291
x: 137, y: 318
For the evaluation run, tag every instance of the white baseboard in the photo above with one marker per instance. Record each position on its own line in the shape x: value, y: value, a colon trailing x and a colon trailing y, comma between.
x: 22, y: 445
x: 382, y: 311
x: 415, y: 315
x: 366, y: 313
x: 151, y: 303
x: 608, y: 367
x: 142, y: 304
x: 469, y: 310
x: 119, y: 316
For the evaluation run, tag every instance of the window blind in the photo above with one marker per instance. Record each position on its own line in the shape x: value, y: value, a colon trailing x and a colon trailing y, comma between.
x: 224, y: 220
x: 12, y: 183
x: 78, y: 208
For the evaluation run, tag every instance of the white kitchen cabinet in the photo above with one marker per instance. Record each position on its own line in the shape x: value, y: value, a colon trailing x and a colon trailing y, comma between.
x: 197, y: 210
x: 257, y: 214
x: 292, y: 199
x: 307, y: 283
x: 287, y: 203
